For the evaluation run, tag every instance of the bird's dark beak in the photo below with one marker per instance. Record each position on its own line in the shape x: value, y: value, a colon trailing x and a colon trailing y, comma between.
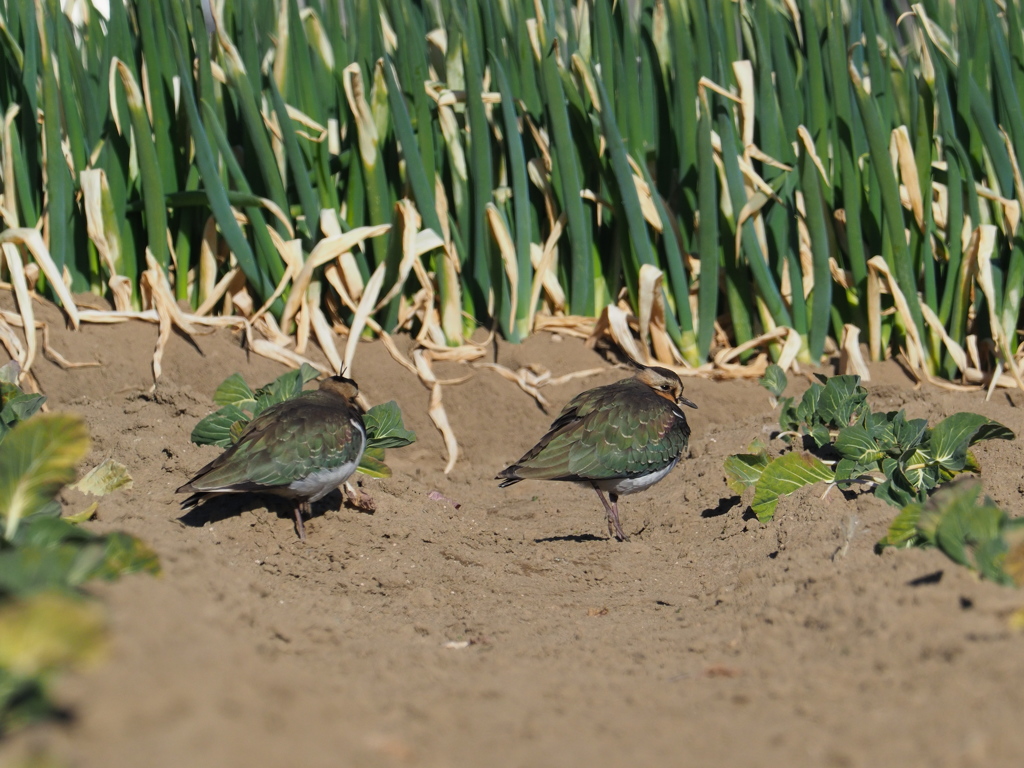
x: 684, y: 401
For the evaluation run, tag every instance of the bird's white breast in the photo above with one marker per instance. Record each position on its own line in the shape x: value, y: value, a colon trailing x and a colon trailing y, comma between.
x: 323, y: 481
x: 623, y: 485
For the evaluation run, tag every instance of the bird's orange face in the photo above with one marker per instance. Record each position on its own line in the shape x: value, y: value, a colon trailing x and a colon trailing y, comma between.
x: 667, y: 395
x: 665, y: 384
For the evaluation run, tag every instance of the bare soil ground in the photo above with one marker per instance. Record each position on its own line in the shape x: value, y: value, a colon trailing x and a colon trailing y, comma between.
x: 511, y: 631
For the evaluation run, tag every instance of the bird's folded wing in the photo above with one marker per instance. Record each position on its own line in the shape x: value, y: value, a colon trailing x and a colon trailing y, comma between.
x: 278, y: 452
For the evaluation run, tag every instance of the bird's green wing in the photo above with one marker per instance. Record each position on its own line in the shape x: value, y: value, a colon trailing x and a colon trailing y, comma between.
x: 286, y: 443
x: 645, y: 435
x: 616, y: 431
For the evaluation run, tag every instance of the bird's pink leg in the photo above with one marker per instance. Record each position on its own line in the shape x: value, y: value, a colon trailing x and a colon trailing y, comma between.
x: 612, y: 514
x: 302, y: 507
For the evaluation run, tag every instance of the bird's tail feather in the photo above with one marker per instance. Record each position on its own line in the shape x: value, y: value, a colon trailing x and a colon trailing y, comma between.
x: 191, y: 502
x: 508, y: 477
x: 198, y: 498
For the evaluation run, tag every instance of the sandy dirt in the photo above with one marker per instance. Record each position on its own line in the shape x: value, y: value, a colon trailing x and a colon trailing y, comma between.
x: 511, y: 631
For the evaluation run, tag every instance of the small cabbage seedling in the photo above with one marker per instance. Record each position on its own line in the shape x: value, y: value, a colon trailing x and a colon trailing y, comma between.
x: 845, y: 442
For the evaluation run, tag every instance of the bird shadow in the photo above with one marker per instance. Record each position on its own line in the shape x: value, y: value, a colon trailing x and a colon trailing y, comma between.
x: 232, y: 504
x: 578, y: 538
x: 724, y: 507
